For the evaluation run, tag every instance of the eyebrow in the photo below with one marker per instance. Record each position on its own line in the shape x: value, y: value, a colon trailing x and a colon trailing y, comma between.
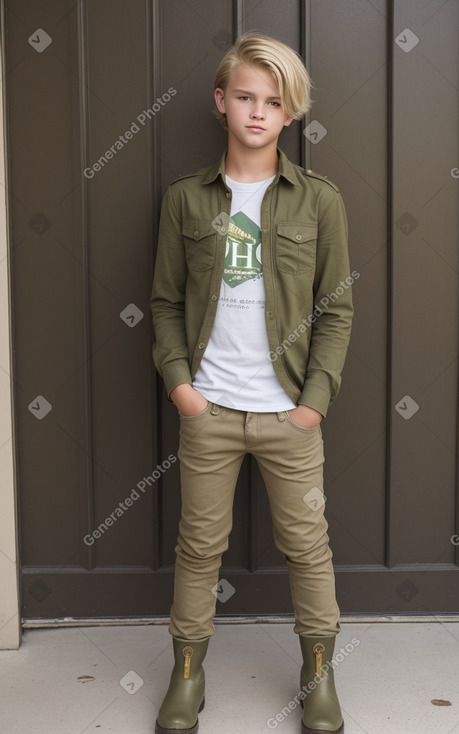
x: 246, y: 91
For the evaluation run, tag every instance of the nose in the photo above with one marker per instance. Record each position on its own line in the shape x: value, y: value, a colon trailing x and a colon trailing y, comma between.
x: 258, y: 111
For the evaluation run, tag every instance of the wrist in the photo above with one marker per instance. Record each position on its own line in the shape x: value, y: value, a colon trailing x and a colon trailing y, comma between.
x: 306, y: 416
x: 305, y: 408
x: 187, y: 400
x: 181, y: 391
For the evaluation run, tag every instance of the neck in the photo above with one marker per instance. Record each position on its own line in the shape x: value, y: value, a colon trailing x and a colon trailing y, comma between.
x: 250, y: 165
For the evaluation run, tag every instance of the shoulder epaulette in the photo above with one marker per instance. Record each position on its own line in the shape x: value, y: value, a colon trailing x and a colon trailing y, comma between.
x: 185, y: 175
x: 313, y: 174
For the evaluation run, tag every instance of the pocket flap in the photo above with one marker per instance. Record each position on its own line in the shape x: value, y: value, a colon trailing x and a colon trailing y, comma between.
x: 197, y: 229
x: 297, y: 232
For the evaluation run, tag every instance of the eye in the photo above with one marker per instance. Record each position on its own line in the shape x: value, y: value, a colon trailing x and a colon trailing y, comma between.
x: 243, y: 97
x: 276, y: 104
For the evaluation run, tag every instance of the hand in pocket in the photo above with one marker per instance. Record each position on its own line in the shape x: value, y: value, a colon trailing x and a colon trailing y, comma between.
x: 305, y: 416
x: 187, y: 400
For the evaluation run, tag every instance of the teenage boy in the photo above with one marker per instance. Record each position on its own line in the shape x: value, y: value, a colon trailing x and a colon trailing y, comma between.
x: 251, y: 341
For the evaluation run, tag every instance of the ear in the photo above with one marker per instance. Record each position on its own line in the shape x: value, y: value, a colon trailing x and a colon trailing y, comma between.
x: 219, y: 96
x: 287, y: 121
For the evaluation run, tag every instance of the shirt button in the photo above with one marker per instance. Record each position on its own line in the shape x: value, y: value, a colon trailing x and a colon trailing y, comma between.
x: 214, y: 297
x: 309, y: 171
x: 223, y: 230
x: 201, y: 345
x: 195, y: 233
x: 269, y: 313
x: 298, y: 237
x: 228, y: 195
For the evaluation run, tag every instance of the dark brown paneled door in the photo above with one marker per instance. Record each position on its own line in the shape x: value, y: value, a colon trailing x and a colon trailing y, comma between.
x: 107, y: 102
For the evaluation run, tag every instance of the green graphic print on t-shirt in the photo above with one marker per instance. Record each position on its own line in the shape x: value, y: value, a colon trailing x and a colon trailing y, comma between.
x: 243, y: 250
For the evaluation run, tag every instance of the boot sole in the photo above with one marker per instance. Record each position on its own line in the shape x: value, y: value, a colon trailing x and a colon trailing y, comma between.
x: 306, y: 730
x: 162, y: 730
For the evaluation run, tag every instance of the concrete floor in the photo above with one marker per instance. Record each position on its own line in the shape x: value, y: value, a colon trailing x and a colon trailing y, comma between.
x: 386, y: 681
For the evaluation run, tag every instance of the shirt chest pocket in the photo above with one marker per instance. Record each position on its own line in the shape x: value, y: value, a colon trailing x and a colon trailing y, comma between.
x: 200, y: 239
x: 296, y: 247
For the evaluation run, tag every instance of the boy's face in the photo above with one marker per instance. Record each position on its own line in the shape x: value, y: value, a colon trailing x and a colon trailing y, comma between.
x: 252, y: 105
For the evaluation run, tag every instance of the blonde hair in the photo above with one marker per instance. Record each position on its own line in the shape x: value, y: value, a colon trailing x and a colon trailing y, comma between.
x: 285, y: 64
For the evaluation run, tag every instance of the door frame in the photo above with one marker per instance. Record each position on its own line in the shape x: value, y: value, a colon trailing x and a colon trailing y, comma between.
x: 10, y: 627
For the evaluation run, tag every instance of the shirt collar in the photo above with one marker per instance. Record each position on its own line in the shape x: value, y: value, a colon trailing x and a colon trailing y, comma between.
x: 286, y: 170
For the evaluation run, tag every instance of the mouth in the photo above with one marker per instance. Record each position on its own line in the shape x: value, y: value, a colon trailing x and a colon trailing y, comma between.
x: 256, y: 128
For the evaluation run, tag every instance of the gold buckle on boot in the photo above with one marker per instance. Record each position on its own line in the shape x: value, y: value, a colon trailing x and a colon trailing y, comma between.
x: 187, y: 652
x: 318, y: 650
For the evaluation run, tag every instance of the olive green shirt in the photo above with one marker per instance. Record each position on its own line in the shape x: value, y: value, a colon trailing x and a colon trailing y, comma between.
x: 308, y: 310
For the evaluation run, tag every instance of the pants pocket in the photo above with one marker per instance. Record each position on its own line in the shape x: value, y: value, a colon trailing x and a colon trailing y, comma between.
x: 196, y: 415
x: 297, y: 427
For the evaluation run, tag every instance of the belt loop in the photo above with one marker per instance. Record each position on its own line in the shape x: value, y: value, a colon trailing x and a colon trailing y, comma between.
x: 215, y: 409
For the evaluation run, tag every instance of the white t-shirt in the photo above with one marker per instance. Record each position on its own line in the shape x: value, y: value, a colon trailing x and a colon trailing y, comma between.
x: 235, y: 370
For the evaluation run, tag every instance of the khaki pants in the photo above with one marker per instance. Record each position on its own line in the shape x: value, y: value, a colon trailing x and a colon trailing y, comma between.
x: 212, y: 446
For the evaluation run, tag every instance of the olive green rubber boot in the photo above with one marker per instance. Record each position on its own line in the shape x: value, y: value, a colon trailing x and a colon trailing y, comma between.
x: 185, y: 695
x: 321, y: 709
